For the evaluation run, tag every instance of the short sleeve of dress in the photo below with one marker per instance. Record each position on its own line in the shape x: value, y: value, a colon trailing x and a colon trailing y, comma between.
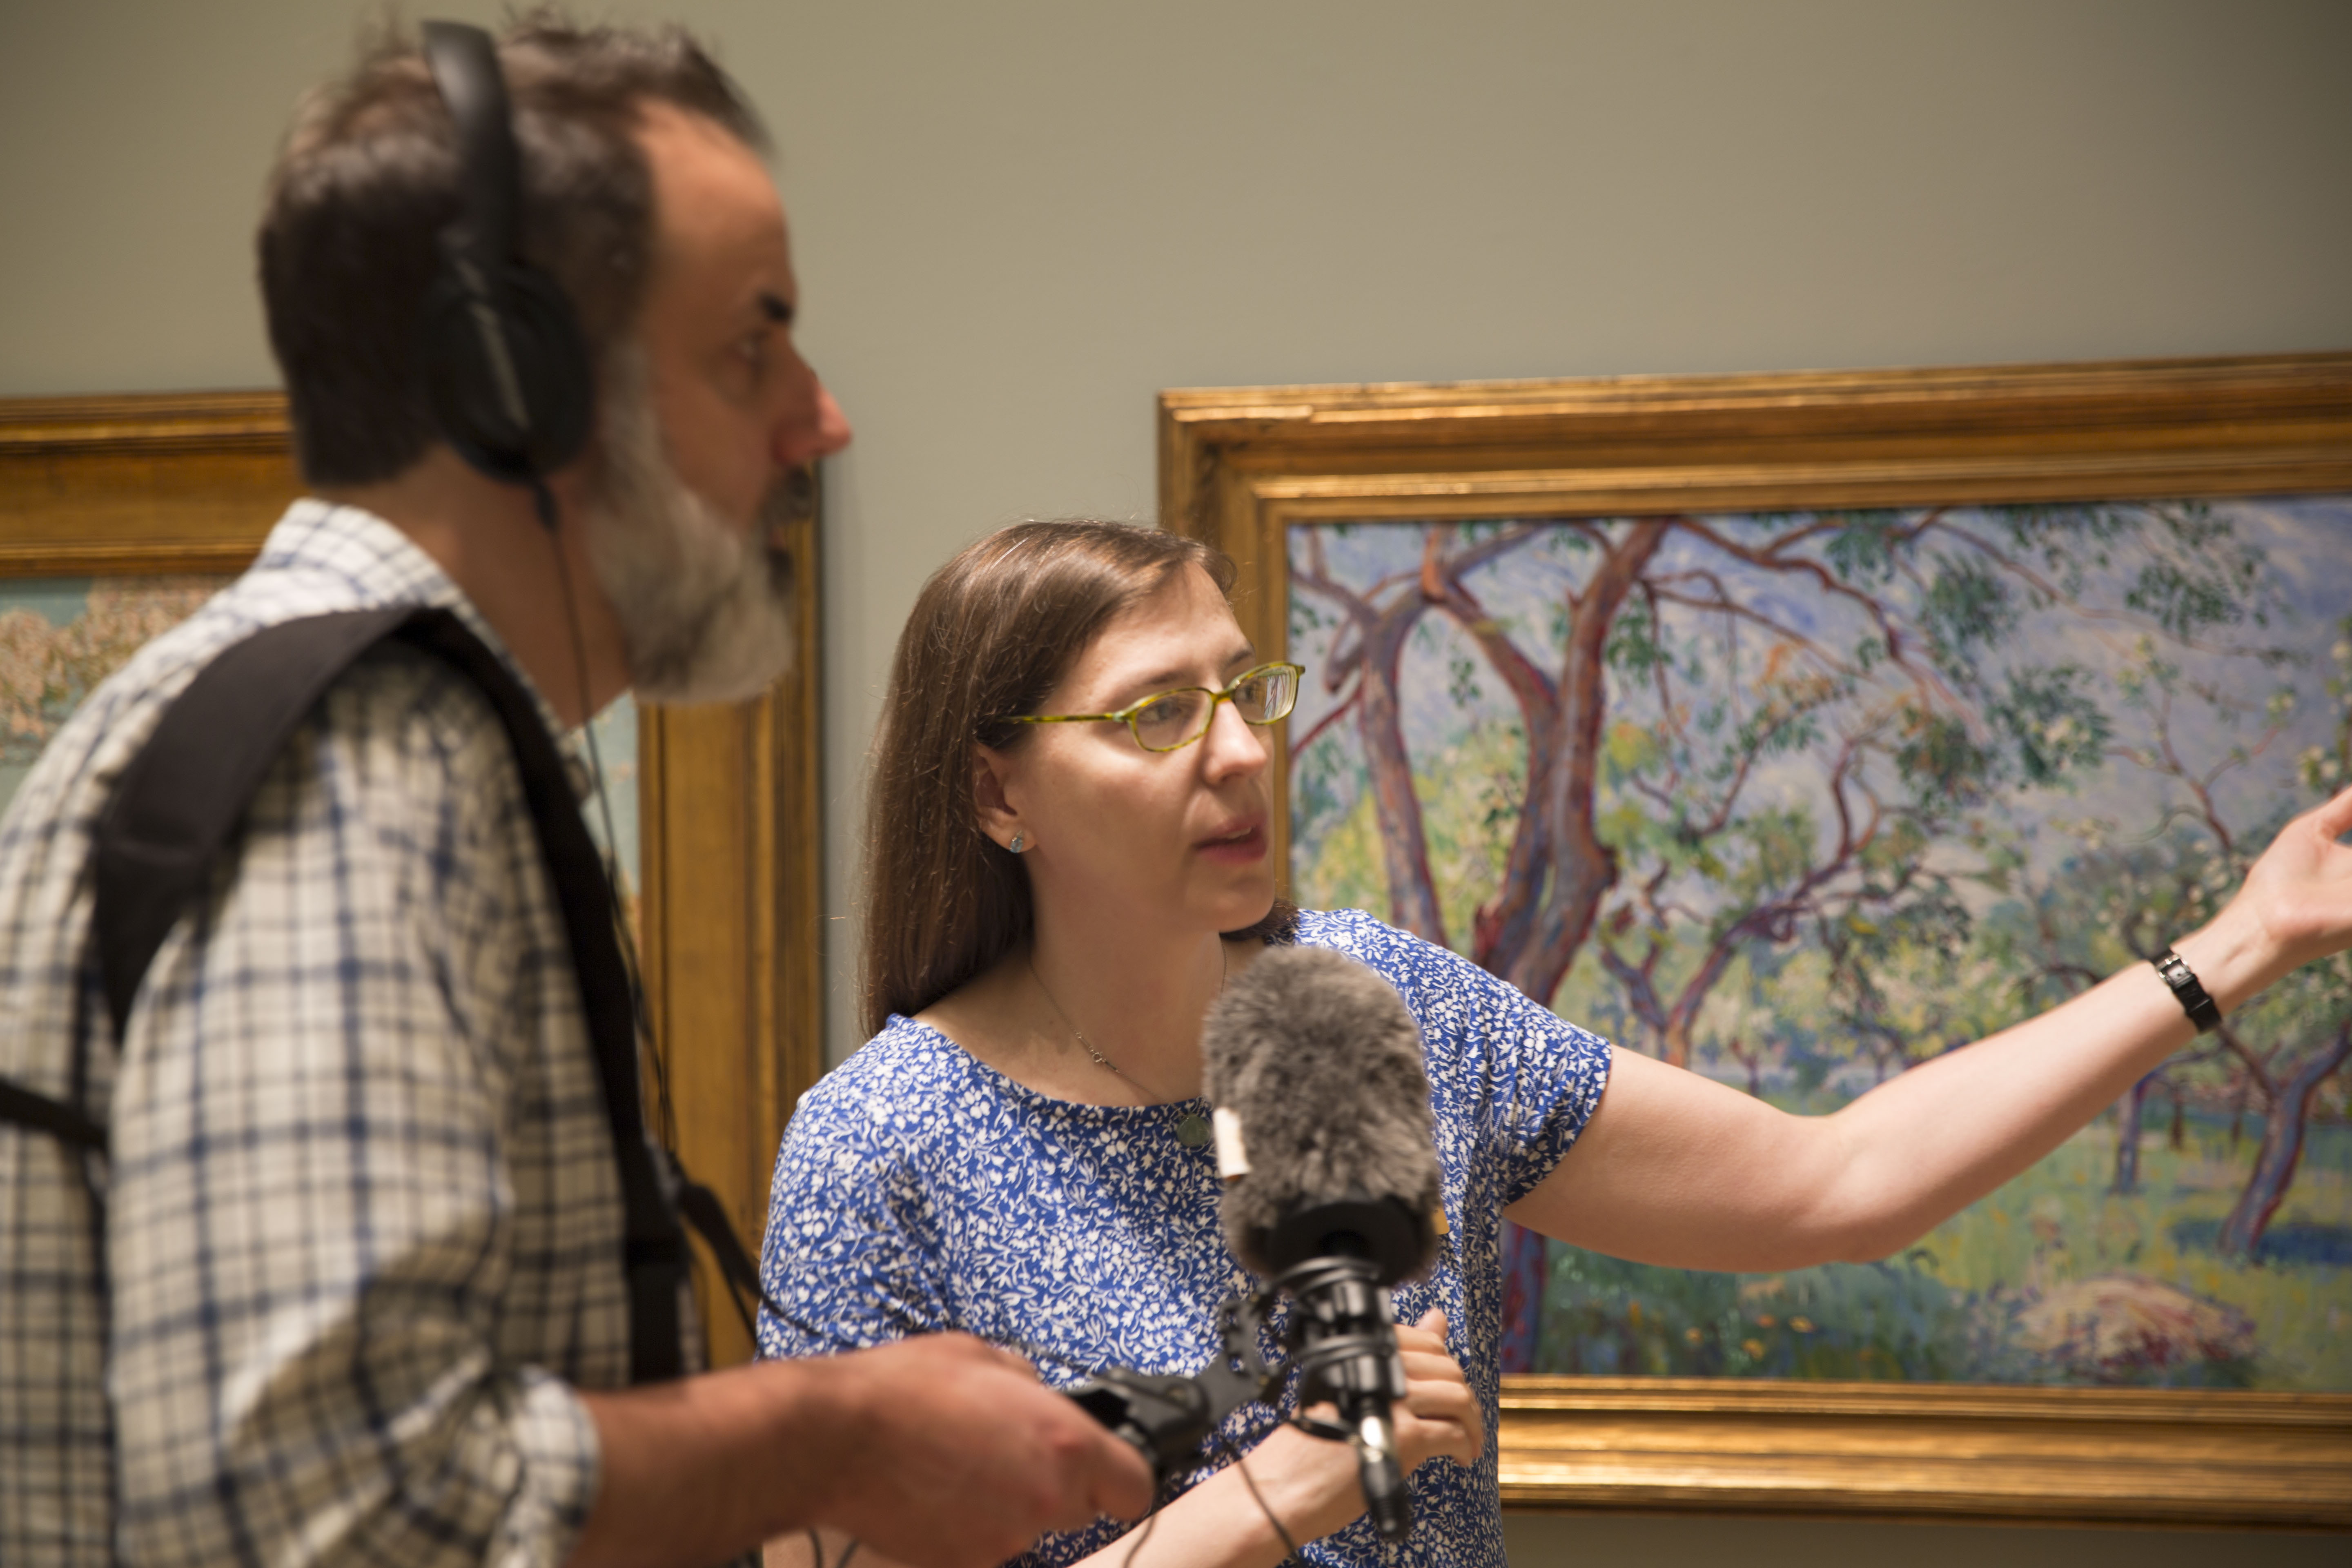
x: 850, y: 1253
x: 1503, y: 1070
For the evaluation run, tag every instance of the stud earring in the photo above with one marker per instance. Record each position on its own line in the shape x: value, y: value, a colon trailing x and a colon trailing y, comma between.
x: 1015, y: 845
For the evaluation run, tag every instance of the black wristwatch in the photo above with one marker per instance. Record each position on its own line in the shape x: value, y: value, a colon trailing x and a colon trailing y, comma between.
x: 2195, y: 1000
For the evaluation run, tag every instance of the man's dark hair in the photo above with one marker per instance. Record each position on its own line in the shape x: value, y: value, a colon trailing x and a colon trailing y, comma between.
x: 368, y: 177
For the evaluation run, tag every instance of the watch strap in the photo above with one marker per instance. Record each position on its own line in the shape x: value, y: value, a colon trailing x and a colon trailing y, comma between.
x: 2195, y: 1000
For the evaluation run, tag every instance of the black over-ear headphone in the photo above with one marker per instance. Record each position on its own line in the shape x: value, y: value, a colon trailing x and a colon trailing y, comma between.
x: 507, y: 368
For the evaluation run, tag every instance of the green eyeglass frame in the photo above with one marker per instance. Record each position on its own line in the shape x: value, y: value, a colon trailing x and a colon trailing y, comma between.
x: 1164, y: 714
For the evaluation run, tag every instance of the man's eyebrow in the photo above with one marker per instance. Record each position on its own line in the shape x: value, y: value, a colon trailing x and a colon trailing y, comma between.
x: 775, y: 308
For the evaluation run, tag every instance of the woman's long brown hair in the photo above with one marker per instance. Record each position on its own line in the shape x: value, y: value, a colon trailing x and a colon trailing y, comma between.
x: 992, y: 635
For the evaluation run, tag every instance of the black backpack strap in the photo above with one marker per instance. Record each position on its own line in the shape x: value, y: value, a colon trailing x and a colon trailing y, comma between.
x: 181, y: 798
x: 174, y: 808
x: 30, y: 1108
x: 656, y: 1255
x: 185, y: 792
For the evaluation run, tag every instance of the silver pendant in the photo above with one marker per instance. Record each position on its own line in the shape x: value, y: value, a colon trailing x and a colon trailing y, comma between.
x: 1193, y: 1129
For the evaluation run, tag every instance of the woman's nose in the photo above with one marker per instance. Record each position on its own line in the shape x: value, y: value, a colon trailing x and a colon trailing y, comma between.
x: 1232, y: 745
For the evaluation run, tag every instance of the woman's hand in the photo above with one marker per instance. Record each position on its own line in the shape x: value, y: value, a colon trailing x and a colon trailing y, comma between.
x: 1439, y: 1417
x: 2294, y: 906
x: 1440, y: 1413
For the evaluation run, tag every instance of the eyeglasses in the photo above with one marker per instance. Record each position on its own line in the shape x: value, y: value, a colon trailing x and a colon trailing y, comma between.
x: 1170, y: 720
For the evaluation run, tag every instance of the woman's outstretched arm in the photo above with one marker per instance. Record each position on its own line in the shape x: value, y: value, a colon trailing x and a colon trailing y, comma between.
x: 1675, y: 1169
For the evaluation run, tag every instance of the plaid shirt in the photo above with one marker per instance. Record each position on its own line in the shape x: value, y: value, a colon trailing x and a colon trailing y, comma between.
x: 364, y: 1228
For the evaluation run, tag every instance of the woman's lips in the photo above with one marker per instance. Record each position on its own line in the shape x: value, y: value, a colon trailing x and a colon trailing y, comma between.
x: 1241, y: 847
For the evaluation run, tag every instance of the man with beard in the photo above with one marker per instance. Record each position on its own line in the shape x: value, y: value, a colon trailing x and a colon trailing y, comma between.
x: 360, y: 1295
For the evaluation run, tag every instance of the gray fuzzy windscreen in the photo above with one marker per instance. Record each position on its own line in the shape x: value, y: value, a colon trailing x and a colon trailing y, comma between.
x: 1322, y: 1063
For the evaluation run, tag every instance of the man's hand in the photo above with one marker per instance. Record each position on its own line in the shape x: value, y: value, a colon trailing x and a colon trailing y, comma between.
x: 940, y: 1451
x: 953, y: 1454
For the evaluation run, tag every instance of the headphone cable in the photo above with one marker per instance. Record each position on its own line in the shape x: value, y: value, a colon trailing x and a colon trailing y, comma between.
x: 665, y: 1113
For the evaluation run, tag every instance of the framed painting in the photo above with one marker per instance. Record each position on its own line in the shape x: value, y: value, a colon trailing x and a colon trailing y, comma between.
x: 1795, y: 729
x: 119, y: 515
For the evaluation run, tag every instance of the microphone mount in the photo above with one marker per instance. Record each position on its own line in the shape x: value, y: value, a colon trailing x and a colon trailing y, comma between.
x: 1345, y: 1338
x: 1342, y: 1337
x: 1169, y: 1417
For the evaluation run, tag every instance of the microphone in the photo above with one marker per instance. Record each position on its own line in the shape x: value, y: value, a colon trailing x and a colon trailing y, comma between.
x: 1313, y: 1069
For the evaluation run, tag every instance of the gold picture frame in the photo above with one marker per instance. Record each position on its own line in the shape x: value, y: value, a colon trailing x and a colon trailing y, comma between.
x: 730, y: 803
x: 1240, y: 467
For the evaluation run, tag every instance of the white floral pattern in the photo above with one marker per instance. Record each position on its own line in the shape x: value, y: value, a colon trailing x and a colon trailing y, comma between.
x: 918, y: 1189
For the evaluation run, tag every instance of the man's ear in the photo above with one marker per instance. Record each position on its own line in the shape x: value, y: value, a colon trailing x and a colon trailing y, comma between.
x: 998, y: 819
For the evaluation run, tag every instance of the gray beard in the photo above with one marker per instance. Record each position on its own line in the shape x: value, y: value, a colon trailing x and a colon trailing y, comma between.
x: 705, y: 611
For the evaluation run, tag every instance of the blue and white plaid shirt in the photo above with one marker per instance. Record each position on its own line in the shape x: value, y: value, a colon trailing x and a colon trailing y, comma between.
x: 365, y: 1232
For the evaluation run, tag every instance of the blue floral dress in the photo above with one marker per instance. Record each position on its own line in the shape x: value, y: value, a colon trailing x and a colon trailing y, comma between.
x: 918, y: 1189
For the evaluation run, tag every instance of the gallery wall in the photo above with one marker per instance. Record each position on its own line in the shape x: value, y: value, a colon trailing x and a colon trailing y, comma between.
x: 1015, y: 222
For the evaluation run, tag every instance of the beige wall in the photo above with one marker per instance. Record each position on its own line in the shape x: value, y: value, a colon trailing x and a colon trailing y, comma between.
x: 1017, y: 221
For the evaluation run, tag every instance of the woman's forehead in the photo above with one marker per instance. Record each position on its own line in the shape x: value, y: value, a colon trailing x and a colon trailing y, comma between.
x: 1180, y: 635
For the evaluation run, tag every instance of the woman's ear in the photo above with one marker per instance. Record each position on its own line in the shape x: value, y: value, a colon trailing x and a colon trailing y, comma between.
x: 995, y: 812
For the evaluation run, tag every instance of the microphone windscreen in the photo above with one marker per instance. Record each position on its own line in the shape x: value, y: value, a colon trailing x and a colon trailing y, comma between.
x: 1317, y: 1057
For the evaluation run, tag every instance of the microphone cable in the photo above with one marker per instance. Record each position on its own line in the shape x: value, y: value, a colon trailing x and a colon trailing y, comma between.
x: 1240, y: 1462
x: 817, y: 1549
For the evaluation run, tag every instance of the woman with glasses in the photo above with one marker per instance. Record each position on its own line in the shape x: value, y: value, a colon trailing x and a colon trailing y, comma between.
x: 1067, y: 857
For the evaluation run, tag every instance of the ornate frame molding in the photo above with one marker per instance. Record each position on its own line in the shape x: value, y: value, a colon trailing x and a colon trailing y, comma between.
x: 731, y: 804
x: 1239, y: 466
x: 1939, y: 1452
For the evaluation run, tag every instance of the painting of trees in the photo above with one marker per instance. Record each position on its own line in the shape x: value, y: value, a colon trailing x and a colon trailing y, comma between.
x: 48, y: 665
x: 1805, y: 799
x: 60, y: 638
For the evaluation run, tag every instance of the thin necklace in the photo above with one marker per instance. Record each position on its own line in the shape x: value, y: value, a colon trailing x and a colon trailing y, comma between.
x: 1192, y: 1128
